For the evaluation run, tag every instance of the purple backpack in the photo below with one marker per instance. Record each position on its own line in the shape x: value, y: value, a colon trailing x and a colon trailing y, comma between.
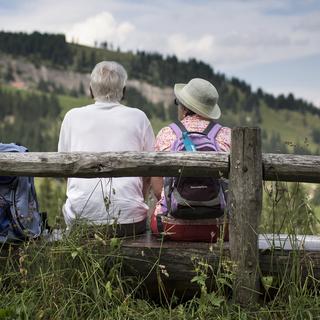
x: 194, y: 197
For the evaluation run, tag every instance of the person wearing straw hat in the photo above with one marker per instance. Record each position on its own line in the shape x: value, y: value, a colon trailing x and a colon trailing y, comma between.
x: 197, y: 103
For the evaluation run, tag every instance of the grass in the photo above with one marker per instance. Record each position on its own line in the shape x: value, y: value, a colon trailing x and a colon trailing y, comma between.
x: 292, y: 126
x: 68, y: 102
x: 80, y: 279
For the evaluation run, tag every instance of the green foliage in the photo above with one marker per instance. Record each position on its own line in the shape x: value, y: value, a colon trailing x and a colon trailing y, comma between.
x: 80, y: 277
x: 63, y: 281
x: 151, y: 67
x: 48, y: 47
x: 134, y: 98
x: 274, y: 144
x: 29, y: 119
x: 287, y: 210
x: 240, y: 104
x: 316, y: 135
x: 316, y: 196
x: 8, y: 76
x: 69, y: 102
x: 51, y: 194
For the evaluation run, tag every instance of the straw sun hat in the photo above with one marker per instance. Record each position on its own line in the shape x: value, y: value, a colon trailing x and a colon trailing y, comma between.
x: 200, y: 96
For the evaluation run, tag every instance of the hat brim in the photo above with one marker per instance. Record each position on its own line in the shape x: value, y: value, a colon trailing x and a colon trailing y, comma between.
x: 214, y: 114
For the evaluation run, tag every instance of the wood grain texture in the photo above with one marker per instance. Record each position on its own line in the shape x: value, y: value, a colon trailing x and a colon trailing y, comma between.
x: 245, y: 205
x: 282, y: 167
x: 114, y: 164
x: 147, y: 257
x: 290, y: 167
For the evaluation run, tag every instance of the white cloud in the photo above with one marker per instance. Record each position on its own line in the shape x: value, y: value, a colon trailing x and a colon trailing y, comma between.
x: 228, y: 34
x: 99, y: 28
x: 185, y: 47
x: 232, y: 35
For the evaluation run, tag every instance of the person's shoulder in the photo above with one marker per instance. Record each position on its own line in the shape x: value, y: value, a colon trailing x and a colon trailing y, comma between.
x: 76, y: 110
x: 224, y: 134
x: 135, y: 112
x: 225, y: 130
x: 165, y: 132
x: 164, y: 139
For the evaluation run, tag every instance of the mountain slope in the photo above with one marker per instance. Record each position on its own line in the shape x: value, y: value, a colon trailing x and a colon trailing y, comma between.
x: 288, y: 124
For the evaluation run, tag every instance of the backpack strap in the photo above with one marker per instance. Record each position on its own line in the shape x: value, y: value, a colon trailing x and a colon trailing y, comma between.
x: 214, y: 128
x: 178, y: 128
x: 209, y: 127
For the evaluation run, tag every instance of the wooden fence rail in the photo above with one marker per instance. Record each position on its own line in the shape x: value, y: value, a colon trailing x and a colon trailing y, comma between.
x: 246, y: 167
x: 281, y: 167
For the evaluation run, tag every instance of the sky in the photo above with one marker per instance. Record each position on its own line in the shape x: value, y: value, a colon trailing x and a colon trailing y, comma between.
x: 272, y: 44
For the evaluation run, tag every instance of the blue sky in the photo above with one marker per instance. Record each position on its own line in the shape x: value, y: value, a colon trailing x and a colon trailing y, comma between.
x: 273, y: 44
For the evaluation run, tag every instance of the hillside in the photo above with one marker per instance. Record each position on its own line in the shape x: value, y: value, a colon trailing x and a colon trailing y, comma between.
x: 39, y: 68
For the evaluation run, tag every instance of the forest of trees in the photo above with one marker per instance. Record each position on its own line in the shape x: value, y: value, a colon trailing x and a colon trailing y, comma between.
x: 29, y: 119
x: 44, y: 46
x: 35, y: 119
x: 135, y: 98
x: 151, y: 67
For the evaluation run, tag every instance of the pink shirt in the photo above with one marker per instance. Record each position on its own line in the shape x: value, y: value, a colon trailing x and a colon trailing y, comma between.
x: 166, y: 138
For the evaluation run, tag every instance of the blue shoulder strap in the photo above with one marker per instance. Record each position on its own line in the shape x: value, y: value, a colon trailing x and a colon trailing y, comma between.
x: 182, y: 133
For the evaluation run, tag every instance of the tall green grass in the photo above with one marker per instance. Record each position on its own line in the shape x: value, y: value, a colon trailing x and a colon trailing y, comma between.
x: 77, y: 279
x: 81, y: 276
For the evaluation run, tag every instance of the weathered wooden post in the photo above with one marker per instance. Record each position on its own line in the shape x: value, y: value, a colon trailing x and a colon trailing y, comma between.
x: 245, y: 204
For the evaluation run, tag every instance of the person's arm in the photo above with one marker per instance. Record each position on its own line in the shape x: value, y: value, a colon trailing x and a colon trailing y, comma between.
x: 145, y: 186
x: 157, y: 185
x: 164, y: 140
x: 148, y: 145
x: 63, y: 143
x: 223, y: 139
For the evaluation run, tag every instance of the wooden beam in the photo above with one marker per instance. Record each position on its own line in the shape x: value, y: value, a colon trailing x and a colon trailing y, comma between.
x: 291, y: 167
x: 114, y: 164
x: 245, y: 205
x: 174, y: 263
x: 282, y: 167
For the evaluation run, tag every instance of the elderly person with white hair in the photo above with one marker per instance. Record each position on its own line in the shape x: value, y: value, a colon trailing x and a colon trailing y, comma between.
x: 107, y: 125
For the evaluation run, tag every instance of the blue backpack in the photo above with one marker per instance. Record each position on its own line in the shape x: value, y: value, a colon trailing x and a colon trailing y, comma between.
x: 20, y: 219
x: 194, y: 197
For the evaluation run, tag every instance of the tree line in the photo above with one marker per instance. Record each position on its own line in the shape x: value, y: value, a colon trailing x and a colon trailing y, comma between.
x: 44, y: 46
x: 29, y: 119
x: 151, y: 67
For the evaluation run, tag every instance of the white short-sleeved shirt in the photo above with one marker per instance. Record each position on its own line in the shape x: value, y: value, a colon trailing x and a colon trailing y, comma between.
x: 103, y: 127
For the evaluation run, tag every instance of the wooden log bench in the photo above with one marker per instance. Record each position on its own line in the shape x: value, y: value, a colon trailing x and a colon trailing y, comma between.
x: 175, y: 263
x: 168, y: 267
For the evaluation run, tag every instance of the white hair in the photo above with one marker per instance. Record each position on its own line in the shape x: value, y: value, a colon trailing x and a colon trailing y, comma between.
x: 108, y: 78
